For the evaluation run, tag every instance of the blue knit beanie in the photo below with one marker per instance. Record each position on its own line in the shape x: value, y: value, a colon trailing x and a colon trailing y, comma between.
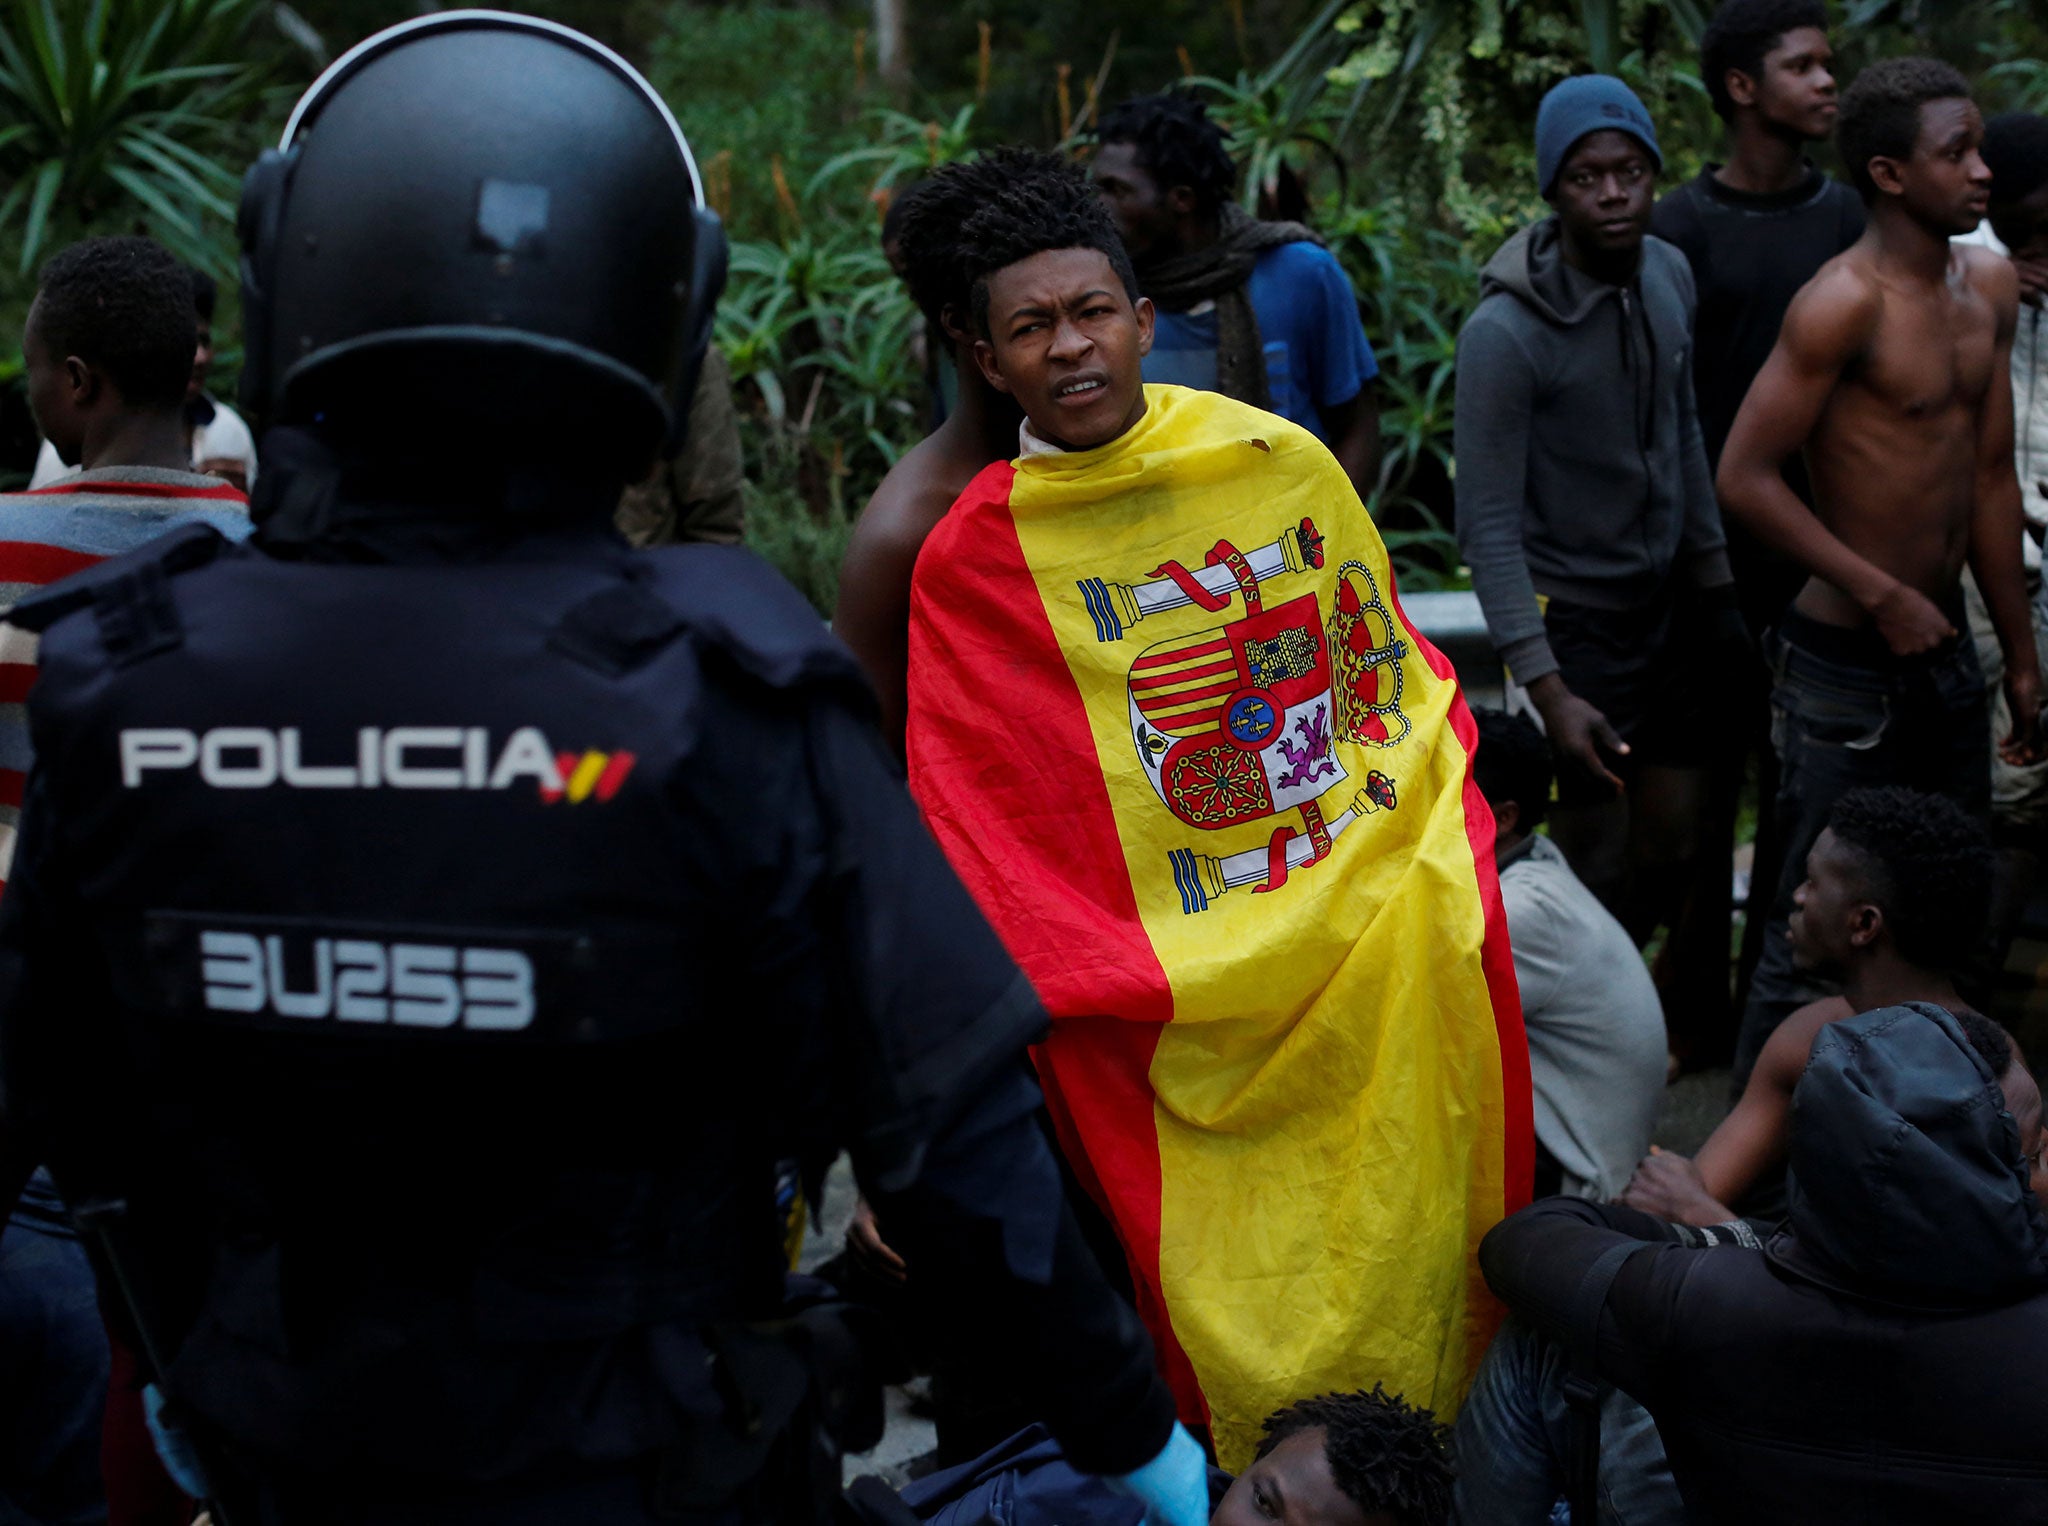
x: 1582, y: 104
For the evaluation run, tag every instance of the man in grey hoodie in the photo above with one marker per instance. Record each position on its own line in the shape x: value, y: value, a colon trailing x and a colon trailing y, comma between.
x: 1585, y: 504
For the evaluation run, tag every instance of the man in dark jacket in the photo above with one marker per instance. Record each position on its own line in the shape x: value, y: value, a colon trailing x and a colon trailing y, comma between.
x: 1585, y: 506
x: 1878, y: 1360
x: 1259, y: 311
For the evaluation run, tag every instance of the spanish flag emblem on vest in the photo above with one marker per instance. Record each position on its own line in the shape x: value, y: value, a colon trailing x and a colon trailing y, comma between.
x: 1214, y: 791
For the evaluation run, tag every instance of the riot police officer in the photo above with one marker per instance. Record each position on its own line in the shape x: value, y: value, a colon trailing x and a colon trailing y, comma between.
x: 433, y: 920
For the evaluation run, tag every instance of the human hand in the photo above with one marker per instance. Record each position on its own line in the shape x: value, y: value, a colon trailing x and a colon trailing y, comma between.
x: 233, y: 468
x: 1671, y: 1187
x: 1577, y: 729
x: 2023, y: 744
x: 173, y: 1447
x: 1909, y: 621
x: 869, y: 1250
x: 2033, y: 273
x: 1174, y: 1485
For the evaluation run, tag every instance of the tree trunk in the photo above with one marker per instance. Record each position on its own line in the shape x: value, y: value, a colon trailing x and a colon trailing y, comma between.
x: 892, y: 52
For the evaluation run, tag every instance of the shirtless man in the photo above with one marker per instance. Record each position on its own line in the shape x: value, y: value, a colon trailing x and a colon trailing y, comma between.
x: 1891, y: 374
x: 873, y: 613
x: 1897, y: 884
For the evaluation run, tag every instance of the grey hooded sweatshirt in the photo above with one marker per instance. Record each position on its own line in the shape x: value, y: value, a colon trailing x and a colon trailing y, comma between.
x: 1581, y: 473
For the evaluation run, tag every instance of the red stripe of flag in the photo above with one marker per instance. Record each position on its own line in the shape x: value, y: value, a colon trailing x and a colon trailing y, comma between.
x: 1182, y: 675
x: 1188, y: 725
x: 12, y: 782
x: 1181, y: 654
x: 1518, y: 1107
x: 1186, y: 696
x: 984, y: 616
x: 16, y: 679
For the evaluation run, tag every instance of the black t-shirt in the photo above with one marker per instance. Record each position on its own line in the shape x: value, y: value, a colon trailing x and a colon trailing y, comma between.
x: 1750, y: 255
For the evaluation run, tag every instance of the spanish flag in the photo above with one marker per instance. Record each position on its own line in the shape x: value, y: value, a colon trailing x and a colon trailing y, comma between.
x: 1170, y: 725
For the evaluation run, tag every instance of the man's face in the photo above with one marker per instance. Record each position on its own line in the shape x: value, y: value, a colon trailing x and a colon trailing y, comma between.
x: 1292, y: 1485
x: 1065, y: 341
x: 1796, y: 91
x: 1147, y: 214
x: 1603, y: 193
x: 2022, y: 226
x: 51, y: 394
x: 2023, y: 1101
x: 1945, y: 184
x: 202, y: 362
x: 1831, y: 910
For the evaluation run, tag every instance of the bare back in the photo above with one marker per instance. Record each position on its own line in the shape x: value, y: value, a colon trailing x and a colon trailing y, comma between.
x: 873, y: 612
x: 1893, y: 455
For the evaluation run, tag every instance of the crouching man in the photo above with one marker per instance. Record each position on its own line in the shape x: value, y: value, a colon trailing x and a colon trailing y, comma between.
x: 1878, y: 1359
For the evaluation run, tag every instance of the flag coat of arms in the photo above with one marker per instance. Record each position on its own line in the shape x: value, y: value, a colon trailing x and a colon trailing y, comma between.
x: 1215, y: 793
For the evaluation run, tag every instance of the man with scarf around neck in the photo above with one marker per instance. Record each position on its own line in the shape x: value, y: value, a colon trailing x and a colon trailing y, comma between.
x: 1259, y: 311
x: 1586, y: 509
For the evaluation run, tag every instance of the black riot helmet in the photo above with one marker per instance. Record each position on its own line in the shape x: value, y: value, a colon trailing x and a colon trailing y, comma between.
x: 484, y: 226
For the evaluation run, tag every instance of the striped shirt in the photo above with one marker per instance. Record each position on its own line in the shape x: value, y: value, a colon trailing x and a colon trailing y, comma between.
x: 49, y: 533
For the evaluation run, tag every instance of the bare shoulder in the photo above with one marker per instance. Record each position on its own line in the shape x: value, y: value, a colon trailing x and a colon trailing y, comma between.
x: 1787, y: 1051
x: 1837, y: 311
x: 907, y: 506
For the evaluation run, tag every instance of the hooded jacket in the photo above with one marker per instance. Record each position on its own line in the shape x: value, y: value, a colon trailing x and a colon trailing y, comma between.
x: 1879, y: 1360
x: 1581, y: 471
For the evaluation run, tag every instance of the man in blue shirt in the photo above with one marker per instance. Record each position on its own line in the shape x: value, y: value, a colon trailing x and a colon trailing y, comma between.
x: 1259, y: 311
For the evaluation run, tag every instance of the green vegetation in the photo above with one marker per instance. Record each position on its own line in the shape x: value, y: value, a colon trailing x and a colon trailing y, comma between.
x: 124, y: 115
x: 1402, y: 126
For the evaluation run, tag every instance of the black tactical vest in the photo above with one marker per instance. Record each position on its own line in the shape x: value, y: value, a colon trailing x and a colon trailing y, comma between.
x: 459, y: 1066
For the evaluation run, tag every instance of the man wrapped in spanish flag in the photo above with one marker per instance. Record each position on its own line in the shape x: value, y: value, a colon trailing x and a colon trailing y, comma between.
x: 1169, y: 723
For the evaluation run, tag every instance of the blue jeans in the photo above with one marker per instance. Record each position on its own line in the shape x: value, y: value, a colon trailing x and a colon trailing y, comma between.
x: 53, y: 1370
x: 1514, y: 1435
x: 1845, y: 714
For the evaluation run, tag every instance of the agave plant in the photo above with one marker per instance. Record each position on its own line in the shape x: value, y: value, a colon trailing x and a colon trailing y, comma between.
x: 906, y: 148
x: 1272, y: 116
x: 125, y: 113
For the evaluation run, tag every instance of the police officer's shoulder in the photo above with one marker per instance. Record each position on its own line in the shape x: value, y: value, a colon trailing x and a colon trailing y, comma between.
x: 736, y: 605
x: 133, y: 577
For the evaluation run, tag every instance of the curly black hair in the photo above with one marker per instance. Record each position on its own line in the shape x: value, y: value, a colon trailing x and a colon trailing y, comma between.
x: 1513, y: 763
x: 929, y: 217
x: 123, y: 305
x: 1741, y: 36
x: 1881, y: 113
x: 2016, y: 152
x: 1929, y: 866
x: 1176, y: 143
x: 1383, y: 1453
x: 205, y: 293
x: 1040, y: 202
x: 1993, y: 1044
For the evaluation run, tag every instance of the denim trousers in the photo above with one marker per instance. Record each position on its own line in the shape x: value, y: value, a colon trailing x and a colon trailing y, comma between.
x: 1513, y: 1438
x: 1846, y: 714
x: 53, y: 1370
